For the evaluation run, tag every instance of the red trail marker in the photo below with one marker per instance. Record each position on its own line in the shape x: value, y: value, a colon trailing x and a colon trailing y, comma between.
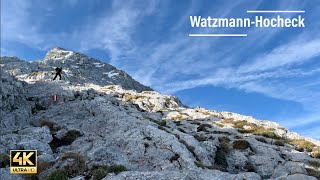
x: 55, y: 98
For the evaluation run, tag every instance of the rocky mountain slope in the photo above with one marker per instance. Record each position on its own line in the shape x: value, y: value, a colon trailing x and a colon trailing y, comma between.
x: 105, y: 125
x: 77, y: 69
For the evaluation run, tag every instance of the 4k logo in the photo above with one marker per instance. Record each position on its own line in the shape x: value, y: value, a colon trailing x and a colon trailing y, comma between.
x: 23, y: 162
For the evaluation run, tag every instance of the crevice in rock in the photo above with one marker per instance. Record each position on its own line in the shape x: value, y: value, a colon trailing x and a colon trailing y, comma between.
x: 67, y: 139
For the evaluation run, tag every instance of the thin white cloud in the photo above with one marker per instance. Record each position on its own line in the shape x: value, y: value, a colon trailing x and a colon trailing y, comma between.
x: 268, y: 74
x: 295, y: 52
x: 113, y: 32
x: 20, y: 25
x: 300, y: 122
x: 312, y: 132
x: 16, y: 24
x: 186, y: 60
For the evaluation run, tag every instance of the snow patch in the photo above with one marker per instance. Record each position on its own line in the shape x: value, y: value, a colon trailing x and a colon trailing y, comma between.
x: 111, y: 74
x: 98, y: 65
x: 68, y: 73
x: 70, y: 53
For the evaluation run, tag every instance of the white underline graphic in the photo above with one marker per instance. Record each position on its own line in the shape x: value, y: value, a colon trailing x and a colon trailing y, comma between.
x: 216, y: 35
x: 260, y: 11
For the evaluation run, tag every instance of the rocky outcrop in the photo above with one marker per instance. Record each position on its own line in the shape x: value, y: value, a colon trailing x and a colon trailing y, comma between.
x: 190, y: 174
x: 77, y: 69
x: 96, y: 130
x: 15, y: 109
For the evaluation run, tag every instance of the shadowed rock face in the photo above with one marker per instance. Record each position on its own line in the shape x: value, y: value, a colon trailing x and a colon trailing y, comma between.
x: 95, y: 127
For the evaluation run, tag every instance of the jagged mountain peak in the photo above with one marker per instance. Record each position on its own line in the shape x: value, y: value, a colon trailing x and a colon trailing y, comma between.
x: 63, y: 55
x: 59, y: 53
x: 77, y: 69
x: 57, y: 48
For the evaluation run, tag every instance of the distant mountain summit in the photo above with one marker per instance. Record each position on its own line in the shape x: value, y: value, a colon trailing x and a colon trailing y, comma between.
x: 77, y: 69
x: 99, y: 123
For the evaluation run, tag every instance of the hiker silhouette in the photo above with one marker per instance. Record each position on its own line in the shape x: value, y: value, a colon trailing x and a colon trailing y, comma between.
x: 58, y: 73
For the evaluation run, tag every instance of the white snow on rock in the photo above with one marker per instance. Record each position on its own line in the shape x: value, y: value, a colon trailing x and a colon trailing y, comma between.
x: 98, y: 65
x: 111, y: 74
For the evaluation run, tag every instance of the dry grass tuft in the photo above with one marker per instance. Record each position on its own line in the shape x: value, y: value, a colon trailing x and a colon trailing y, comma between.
x: 241, y: 144
x: 78, y: 165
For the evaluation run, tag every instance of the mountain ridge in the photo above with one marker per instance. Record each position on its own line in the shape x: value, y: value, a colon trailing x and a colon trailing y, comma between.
x: 77, y: 68
x: 151, y: 135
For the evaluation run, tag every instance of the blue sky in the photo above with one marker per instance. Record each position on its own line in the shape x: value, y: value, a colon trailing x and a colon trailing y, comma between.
x: 273, y: 74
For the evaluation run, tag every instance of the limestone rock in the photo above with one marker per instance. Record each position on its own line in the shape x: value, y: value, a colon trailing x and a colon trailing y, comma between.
x: 191, y: 174
x: 289, y: 168
x: 105, y: 119
x: 296, y: 176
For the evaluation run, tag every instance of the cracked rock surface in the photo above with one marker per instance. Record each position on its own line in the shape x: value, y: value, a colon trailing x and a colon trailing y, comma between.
x: 107, y: 125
